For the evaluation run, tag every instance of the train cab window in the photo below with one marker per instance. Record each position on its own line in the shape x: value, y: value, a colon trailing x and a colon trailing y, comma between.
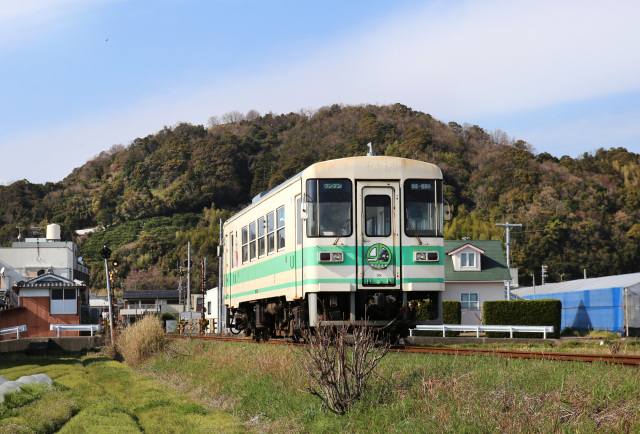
x: 252, y: 241
x: 328, y: 203
x: 280, y: 222
x: 245, y: 244
x: 423, y: 207
x: 271, y: 238
x: 377, y: 211
x: 261, y: 239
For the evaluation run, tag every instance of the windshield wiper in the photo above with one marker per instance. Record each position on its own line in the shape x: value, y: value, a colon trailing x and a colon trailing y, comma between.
x: 415, y: 232
x: 344, y: 226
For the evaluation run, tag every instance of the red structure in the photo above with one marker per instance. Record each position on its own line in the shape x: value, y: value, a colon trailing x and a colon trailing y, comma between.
x: 42, y: 301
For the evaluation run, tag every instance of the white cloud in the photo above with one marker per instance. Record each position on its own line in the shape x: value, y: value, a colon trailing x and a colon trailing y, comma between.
x: 453, y: 60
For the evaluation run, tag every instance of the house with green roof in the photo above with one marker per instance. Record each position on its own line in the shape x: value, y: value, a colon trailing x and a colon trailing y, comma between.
x: 475, y: 271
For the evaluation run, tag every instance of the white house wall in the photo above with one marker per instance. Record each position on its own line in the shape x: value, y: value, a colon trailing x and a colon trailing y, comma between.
x: 24, y: 259
x: 487, y: 291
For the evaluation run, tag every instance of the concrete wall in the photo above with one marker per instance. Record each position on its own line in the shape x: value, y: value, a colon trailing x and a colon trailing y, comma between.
x: 72, y: 344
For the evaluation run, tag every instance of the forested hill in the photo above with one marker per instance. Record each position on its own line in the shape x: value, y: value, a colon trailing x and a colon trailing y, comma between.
x: 576, y: 213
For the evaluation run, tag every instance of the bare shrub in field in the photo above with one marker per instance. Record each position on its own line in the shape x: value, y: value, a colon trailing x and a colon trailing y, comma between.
x: 340, y: 366
x: 138, y: 342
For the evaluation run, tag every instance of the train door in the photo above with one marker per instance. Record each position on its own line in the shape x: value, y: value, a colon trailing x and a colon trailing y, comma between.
x: 298, y: 246
x: 378, y: 234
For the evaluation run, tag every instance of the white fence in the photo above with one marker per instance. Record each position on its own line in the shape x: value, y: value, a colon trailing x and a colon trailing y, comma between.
x: 484, y: 328
x: 75, y: 327
x: 17, y: 330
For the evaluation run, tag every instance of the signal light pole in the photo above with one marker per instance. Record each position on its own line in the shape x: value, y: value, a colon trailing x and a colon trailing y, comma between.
x: 105, y: 252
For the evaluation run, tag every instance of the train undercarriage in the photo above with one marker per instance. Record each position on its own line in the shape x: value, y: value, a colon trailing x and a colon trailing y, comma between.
x: 390, y: 312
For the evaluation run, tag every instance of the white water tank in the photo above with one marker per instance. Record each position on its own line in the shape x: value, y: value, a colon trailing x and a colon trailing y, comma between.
x: 53, y: 232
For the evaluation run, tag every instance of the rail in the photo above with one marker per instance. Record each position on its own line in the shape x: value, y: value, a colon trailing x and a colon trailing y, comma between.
x: 511, y: 329
x: 16, y: 330
x: 75, y: 327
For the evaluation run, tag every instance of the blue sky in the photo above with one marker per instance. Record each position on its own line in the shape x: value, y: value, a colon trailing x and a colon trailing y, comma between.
x: 78, y: 76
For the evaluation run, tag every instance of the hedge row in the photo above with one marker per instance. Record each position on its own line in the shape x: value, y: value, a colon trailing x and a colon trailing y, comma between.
x: 527, y: 312
x: 451, y: 314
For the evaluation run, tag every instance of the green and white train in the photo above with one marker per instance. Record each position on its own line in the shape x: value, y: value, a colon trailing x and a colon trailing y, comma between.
x: 356, y: 241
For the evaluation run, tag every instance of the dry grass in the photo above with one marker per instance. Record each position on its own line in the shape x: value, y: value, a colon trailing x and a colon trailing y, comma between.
x: 140, y: 341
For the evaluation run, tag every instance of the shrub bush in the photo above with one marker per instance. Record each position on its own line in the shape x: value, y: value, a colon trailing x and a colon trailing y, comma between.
x: 451, y: 314
x: 139, y: 341
x: 523, y: 312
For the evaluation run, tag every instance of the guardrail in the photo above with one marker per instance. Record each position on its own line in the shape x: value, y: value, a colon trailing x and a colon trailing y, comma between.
x: 484, y: 328
x: 16, y: 330
x: 196, y: 326
x: 75, y: 327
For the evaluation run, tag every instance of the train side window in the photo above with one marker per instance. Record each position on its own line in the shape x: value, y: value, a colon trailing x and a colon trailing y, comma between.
x: 271, y: 238
x: 299, y: 221
x: 245, y: 244
x: 280, y: 223
x: 252, y: 241
x: 261, y: 240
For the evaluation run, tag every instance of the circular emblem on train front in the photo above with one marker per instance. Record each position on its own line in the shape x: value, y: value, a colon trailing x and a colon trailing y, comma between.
x: 378, y: 256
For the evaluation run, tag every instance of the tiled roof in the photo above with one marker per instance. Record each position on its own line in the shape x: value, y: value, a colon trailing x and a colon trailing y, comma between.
x: 49, y: 280
x: 493, y: 262
x: 150, y: 295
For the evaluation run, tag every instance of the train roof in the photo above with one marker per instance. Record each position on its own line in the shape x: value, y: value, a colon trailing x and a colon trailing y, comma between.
x: 367, y: 167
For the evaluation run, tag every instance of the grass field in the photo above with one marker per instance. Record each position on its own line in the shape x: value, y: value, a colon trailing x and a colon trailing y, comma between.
x: 99, y: 395
x: 195, y: 386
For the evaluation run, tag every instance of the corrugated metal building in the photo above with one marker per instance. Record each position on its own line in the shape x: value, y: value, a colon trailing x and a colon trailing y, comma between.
x: 602, y: 303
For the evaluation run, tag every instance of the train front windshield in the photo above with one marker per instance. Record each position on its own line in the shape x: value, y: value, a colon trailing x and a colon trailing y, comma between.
x: 328, y: 207
x: 423, y: 208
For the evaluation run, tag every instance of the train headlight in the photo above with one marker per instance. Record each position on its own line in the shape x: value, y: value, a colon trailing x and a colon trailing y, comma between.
x: 426, y: 256
x: 330, y: 257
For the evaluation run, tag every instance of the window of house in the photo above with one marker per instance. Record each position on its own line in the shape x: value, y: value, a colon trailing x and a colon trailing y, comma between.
x: 209, y: 307
x: 468, y: 260
x: 262, y: 248
x: 64, y: 302
x: 245, y: 244
x: 252, y: 241
x: 280, y: 223
x: 271, y: 238
x: 469, y: 301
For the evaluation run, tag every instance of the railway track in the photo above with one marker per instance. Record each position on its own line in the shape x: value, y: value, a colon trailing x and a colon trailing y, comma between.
x: 626, y: 360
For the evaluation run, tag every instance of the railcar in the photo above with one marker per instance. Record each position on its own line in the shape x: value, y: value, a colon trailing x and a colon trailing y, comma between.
x: 353, y: 241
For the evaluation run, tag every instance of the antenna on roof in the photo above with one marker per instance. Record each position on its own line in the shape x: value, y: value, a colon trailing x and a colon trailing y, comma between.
x: 370, y: 153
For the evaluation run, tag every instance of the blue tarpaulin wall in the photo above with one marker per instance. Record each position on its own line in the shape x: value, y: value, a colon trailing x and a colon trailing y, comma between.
x: 595, y: 309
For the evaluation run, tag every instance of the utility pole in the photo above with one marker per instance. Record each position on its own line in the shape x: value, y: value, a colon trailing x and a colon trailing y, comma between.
x: 508, y: 227
x: 533, y: 276
x: 204, y: 284
x: 221, y: 311
x: 189, y: 277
